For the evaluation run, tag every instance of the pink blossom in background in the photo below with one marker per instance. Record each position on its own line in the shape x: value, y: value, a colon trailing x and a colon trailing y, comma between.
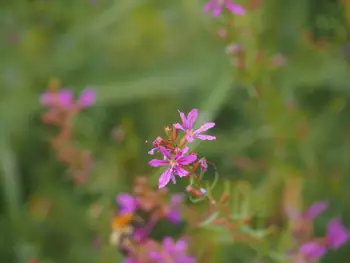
x: 175, y: 164
x: 127, y: 203
x: 172, y: 252
x: 87, y: 98
x: 64, y: 98
x: 173, y: 213
x: 337, y: 234
x: 315, y: 210
x: 187, y: 127
x: 216, y: 6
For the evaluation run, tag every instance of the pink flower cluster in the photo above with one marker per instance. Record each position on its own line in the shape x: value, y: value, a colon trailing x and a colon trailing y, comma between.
x: 216, y: 6
x: 175, y: 155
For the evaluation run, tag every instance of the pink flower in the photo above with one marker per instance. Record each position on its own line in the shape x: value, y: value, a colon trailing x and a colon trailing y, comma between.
x: 315, y: 209
x: 87, y: 98
x: 337, y: 234
x: 172, y: 252
x: 187, y: 127
x: 173, y: 213
x: 64, y: 98
x: 312, y: 251
x: 155, y: 144
x: 127, y: 203
x: 216, y: 7
x: 203, y: 165
x: 175, y: 164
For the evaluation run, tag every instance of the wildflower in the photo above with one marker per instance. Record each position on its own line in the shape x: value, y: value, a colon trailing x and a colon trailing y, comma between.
x: 127, y: 203
x: 337, y: 234
x: 155, y: 144
x: 172, y: 252
x: 173, y: 213
x: 312, y: 251
x: 216, y: 7
x: 203, y: 165
x: 315, y: 209
x: 87, y: 98
x: 187, y: 127
x: 175, y: 164
x: 64, y: 98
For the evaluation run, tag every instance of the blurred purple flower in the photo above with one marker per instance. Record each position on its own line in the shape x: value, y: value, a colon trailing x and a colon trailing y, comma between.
x: 87, y: 98
x: 203, y: 165
x: 312, y: 250
x: 63, y: 98
x: 337, y: 234
x: 315, y: 210
x: 173, y: 214
x: 127, y: 203
x: 172, y: 252
x: 187, y: 127
x: 129, y: 259
x: 175, y: 164
x: 216, y: 6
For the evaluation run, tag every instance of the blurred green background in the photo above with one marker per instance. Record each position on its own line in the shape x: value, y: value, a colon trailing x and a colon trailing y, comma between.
x: 146, y: 59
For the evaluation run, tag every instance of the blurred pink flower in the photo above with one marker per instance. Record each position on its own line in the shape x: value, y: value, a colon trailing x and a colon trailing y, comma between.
x: 173, y: 213
x: 64, y: 98
x: 172, y: 252
x: 337, y: 234
x: 187, y: 127
x: 216, y: 7
x: 127, y: 203
x: 175, y: 164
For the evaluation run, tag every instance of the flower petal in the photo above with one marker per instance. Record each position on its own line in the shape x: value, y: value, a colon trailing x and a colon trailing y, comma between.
x: 183, y: 119
x: 234, y: 8
x: 204, y: 127
x: 87, y: 98
x: 47, y: 99
x: 165, y: 152
x: 65, y: 98
x: 188, y: 159
x: 209, y: 5
x: 179, y: 126
x: 191, y: 118
x: 337, y: 234
x: 315, y: 209
x: 127, y: 203
x: 157, y: 163
x: 312, y: 250
x: 217, y: 11
x: 164, y: 178
x: 151, y: 152
x: 205, y: 137
x: 181, y: 171
x: 189, y: 138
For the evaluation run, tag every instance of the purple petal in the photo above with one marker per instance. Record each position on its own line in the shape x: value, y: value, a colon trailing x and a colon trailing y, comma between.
x: 179, y: 126
x: 174, y: 216
x: 185, y: 150
x: 203, y: 164
x: 337, y: 234
x: 188, y: 159
x: 165, y: 152
x: 234, y: 8
x: 87, y: 98
x: 65, y: 98
x: 205, y: 137
x: 129, y: 260
x: 157, y: 163
x: 183, y: 119
x: 189, y: 138
x: 151, y: 152
x: 209, y: 5
x: 168, y: 244
x: 177, y: 199
x: 181, y: 246
x: 127, y: 203
x: 315, y: 209
x: 164, y: 178
x: 217, y: 11
x: 204, y: 127
x: 181, y: 171
x: 191, y: 118
x: 312, y: 250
